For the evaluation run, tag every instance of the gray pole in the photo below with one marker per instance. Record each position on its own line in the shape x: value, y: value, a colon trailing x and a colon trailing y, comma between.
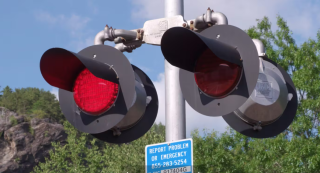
x: 175, y: 103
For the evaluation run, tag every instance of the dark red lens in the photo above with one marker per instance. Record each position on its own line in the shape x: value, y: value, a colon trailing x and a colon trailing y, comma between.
x: 214, y: 76
x: 92, y: 94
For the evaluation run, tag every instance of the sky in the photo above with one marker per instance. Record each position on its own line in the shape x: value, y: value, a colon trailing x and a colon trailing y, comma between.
x: 29, y: 28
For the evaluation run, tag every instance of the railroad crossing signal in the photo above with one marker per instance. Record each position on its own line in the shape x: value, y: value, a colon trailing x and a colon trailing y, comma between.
x: 101, y: 93
x: 222, y: 74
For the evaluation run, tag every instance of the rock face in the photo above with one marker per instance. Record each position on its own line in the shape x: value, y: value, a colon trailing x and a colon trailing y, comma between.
x: 24, y: 144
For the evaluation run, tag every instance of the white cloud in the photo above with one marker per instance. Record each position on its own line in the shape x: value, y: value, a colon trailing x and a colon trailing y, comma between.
x: 193, y: 118
x: 145, y: 69
x: 93, y: 7
x: 82, y: 43
x: 73, y: 23
x: 55, y: 91
x: 146, y: 9
x: 301, y: 16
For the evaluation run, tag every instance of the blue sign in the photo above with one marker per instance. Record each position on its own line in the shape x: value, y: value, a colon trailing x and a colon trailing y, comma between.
x: 170, y: 157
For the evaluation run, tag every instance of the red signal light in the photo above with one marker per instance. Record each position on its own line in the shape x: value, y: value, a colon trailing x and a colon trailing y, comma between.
x: 214, y: 76
x: 94, y: 95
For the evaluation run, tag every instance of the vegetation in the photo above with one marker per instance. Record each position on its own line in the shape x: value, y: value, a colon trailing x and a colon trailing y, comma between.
x: 32, y: 102
x: 80, y: 155
x: 31, y: 130
x: 13, y: 121
x: 295, y: 150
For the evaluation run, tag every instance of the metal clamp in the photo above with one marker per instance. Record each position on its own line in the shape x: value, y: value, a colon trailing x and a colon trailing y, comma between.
x: 152, y: 31
x: 257, y: 126
x: 128, y: 46
x: 116, y: 131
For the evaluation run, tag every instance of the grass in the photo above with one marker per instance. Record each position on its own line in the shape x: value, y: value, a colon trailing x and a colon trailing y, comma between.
x: 46, y: 133
x: 17, y: 159
x: 31, y: 130
x: 13, y: 121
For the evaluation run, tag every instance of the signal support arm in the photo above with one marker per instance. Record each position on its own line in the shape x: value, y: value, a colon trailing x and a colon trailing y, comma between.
x: 152, y: 31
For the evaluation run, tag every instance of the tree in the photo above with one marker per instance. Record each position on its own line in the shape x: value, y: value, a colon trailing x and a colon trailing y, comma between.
x: 83, y: 155
x: 32, y: 101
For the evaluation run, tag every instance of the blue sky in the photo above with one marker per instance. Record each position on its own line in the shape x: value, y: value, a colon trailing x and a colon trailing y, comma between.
x: 29, y: 28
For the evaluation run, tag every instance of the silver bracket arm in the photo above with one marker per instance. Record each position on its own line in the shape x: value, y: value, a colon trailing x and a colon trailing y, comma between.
x: 260, y: 48
x: 208, y: 19
x: 110, y: 34
x: 152, y: 31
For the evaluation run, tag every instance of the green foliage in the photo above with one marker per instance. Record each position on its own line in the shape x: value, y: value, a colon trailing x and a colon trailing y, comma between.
x: 13, y: 121
x: 39, y: 113
x: 31, y: 130
x: 82, y: 155
x: 46, y: 133
x: 17, y: 159
x: 32, y: 102
x: 233, y: 152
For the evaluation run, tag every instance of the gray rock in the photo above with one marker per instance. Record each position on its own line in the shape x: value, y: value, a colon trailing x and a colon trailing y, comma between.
x: 26, y: 144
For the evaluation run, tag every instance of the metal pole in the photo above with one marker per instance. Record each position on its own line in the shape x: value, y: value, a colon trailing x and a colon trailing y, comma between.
x: 175, y: 103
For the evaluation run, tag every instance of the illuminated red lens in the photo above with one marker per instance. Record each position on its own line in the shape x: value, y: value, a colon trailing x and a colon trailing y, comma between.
x: 214, y: 76
x: 92, y: 94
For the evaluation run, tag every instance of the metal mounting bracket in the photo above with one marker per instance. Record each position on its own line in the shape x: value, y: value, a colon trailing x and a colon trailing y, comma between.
x: 153, y: 30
